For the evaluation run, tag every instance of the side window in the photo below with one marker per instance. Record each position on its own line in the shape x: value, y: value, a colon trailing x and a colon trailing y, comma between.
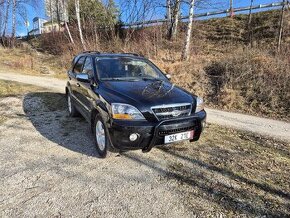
x: 88, y: 67
x: 79, y: 65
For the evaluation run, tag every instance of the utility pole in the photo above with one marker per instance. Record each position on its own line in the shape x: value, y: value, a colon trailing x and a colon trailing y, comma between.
x: 281, y: 26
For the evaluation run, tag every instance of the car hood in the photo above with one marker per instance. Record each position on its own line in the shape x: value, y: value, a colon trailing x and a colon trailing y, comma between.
x: 146, y: 92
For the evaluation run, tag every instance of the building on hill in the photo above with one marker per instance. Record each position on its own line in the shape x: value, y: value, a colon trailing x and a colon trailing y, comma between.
x: 41, y: 26
x: 38, y: 26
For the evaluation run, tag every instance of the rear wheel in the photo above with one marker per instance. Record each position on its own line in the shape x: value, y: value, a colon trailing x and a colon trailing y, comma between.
x: 71, y: 108
x: 101, y: 136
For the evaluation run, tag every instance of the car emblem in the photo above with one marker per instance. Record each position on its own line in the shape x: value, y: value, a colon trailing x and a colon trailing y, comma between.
x: 176, y: 113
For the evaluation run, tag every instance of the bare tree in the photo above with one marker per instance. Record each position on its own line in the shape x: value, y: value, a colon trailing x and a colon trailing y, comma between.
x: 5, y: 20
x: 64, y: 6
x: 14, y: 3
x: 231, y: 8
x: 185, y: 53
x: 281, y: 26
x: 249, y: 27
x: 169, y: 15
x: 77, y: 8
x: 175, y: 20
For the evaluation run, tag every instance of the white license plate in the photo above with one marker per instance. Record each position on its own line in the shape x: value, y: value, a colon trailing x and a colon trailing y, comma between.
x: 179, y: 137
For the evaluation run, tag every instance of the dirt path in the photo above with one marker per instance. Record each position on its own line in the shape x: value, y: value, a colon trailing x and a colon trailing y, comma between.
x: 267, y: 127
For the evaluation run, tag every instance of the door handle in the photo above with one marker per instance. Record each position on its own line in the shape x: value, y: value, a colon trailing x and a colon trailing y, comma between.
x: 78, y: 85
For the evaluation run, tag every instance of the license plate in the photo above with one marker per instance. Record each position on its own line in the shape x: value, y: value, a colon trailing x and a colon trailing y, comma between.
x: 179, y: 137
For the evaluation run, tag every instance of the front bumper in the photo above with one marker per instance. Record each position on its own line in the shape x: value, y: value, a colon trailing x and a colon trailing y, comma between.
x: 151, y: 134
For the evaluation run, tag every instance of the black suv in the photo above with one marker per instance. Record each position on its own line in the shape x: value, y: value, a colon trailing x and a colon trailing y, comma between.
x: 130, y: 104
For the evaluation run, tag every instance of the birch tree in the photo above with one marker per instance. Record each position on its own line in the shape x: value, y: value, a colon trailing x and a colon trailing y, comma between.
x: 5, y: 20
x: 169, y: 15
x: 77, y: 8
x: 249, y: 27
x: 175, y: 20
x: 64, y: 5
x: 13, y: 18
x: 281, y: 24
x: 185, y: 53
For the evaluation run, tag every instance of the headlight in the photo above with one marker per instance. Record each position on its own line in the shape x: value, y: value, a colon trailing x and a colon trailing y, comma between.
x: 126, y: 112
x: 199, y: 104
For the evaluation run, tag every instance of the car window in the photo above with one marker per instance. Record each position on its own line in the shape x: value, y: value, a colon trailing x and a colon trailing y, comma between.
x: 79, y: 65
x: 127, y: 69
x: 88, y: 67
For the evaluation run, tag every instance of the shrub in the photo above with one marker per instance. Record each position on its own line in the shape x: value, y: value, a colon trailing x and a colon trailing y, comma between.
x: 252, y: 81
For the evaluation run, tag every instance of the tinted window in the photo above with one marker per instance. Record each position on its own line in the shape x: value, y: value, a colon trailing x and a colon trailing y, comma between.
x: 79, y: 65
x: 127, y: 69
x: 88, y: 67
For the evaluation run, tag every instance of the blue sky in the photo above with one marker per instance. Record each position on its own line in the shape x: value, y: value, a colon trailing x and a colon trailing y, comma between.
x: 213, y: 5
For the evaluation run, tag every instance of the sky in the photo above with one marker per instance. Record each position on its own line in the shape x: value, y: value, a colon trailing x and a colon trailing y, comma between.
x: 213, y: 5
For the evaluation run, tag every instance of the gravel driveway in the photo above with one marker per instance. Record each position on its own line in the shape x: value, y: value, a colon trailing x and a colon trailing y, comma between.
x: 49, y: 168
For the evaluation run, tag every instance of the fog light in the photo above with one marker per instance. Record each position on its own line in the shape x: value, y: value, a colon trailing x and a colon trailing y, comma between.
x: 133, y: 137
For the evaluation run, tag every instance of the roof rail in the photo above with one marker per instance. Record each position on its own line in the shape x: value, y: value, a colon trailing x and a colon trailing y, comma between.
x: 129, y: 53
x: 90, y: 52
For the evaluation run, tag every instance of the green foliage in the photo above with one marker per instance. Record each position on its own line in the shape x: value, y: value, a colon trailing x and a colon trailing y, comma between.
x: 95, y: 14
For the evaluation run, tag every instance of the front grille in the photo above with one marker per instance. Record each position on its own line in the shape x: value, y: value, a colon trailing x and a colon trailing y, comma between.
x: 172, y: 111
x: 173, y: 131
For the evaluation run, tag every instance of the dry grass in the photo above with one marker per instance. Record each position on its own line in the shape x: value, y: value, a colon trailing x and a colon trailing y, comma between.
x: 238, y: 173
x: 26, y: 60
x: 251, y: 81
x: 10, y: 89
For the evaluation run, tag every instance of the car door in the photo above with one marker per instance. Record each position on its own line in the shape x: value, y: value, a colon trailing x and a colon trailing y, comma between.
x: 74, y: 83
x: 84, y: 89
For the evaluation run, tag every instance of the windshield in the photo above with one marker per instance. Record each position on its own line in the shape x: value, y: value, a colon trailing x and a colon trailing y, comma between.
x: 124, y: 68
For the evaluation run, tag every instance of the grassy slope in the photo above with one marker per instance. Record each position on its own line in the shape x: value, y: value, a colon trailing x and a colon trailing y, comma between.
x: 26, y: 60
x: 217, y: 42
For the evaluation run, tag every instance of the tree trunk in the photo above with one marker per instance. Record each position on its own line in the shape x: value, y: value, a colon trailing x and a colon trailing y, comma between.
x: 231, y: 9
x: 65, y: 17
x: 250, y: 28
x: 77, y: 7
x: 6, y: 18
x: 58, y: 11
x: 13, y: 23
x: 174, y: 20
x: 281, y: 25
x: 185, y: 54
x: 169, y: 16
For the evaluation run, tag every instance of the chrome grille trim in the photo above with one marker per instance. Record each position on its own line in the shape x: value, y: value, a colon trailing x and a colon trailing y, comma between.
x: 163, y: 112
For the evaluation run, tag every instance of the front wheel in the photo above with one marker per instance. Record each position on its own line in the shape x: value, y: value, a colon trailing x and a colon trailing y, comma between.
x: 101, y: 136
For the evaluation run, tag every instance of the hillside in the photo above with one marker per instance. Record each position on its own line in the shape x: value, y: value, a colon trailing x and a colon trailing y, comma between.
x: 223, y: 69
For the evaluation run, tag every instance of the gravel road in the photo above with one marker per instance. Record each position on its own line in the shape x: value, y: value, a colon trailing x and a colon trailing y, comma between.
x: 267, y: 127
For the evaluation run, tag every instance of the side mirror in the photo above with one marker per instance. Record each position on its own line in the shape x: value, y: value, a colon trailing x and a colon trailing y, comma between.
x: 82, y: 77
x: 168, y: 76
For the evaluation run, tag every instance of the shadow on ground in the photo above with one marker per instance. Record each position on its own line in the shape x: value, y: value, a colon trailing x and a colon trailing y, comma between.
x: 48, y: 114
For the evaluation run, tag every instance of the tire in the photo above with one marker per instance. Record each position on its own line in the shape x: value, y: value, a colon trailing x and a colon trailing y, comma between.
x: 71, y: 108
x: 101, y: 136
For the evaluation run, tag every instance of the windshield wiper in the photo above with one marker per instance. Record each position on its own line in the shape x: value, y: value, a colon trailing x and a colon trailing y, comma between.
x: 120, y: 79
x: 151, y: 78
